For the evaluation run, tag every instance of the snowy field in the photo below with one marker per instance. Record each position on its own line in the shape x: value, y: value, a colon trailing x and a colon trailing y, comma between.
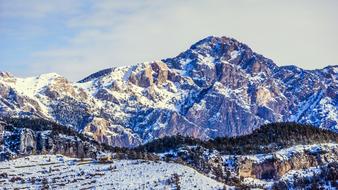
x: 59, y: 172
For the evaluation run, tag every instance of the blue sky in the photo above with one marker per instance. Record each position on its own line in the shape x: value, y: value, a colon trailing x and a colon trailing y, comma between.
x: 77, y: 37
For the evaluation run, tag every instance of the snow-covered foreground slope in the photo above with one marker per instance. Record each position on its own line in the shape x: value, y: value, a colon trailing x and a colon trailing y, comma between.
x: 59, y: 172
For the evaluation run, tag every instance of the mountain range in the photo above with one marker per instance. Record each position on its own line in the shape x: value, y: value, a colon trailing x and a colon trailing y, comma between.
x: 218, y: 87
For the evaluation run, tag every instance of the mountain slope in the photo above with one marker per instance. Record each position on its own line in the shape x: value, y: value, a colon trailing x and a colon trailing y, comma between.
x: 218, y: 87
x: 266, y: 139
x: 275, y: 156
x: 66, y: 173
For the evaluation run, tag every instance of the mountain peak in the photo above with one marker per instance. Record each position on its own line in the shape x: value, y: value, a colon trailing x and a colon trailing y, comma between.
x: 217, y: 43
x: 214, y: 50
x: 6, y: 75
x: 49, y: 76
x: 213, y: 39
x: 220, y: 48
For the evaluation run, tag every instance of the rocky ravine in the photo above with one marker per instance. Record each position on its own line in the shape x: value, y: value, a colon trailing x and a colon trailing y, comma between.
x: 218, y: 87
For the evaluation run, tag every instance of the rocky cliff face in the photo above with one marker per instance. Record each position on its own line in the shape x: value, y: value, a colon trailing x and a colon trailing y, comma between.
x: 20, y: 142
x: 276, y: 165
x: 299, y: 167
x: 218, y: 87
x: 296, y: 167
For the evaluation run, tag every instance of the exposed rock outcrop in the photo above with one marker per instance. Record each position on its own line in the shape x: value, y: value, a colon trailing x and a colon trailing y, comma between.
x: 24, y: 141
x: 274, y: 166
x: 103, y: 131
x: 294, y: 167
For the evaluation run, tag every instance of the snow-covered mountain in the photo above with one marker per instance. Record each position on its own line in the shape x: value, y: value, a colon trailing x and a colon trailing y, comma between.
x: 218, y: 87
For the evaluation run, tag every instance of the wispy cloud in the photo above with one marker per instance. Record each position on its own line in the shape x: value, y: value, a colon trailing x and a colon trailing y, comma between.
x: 37, y: 9
x: 81, y: 37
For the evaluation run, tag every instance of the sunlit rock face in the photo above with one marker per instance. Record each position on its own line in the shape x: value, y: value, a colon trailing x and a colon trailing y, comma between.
x: 218, y: 87
x: 24, y: 141
x: 276, y: 165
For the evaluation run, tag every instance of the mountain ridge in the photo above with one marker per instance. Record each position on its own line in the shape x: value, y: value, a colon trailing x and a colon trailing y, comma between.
x: 218, y: 87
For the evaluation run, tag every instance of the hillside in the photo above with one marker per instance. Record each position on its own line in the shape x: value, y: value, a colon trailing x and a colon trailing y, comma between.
x: 270, y: 157
x: 275, y: 156
x: 59, y: 172
x: 265, y: 139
